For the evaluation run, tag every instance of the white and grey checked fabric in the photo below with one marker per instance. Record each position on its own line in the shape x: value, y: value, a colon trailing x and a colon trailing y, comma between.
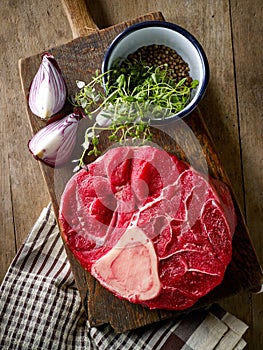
x: 40, y: 309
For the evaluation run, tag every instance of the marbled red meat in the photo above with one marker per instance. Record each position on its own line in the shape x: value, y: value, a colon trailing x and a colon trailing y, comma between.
x: 149, y: 227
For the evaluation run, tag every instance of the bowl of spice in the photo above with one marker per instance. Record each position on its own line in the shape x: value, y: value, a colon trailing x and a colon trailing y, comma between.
x: 157, y: 68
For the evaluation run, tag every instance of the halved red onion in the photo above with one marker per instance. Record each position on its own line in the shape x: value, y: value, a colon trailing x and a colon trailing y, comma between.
x: 48, y: 91
x: 54, y: 144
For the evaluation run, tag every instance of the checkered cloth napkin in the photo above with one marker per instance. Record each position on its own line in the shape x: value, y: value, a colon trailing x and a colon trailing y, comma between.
x: 40, y: 308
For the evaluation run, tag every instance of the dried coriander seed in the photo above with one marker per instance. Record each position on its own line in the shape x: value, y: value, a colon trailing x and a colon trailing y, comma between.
x: 162, y: 55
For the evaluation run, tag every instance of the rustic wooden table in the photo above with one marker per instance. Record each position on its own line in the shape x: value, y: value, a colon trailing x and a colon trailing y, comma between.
x: 231, y: 34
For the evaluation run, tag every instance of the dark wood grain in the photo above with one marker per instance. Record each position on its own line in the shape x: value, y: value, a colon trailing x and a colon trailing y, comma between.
x: 189, y: 139
x: 79, y: 17
x: 249, y: 76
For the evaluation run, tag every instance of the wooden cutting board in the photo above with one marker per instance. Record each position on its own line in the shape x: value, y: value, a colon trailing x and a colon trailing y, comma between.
x: 188, y: 139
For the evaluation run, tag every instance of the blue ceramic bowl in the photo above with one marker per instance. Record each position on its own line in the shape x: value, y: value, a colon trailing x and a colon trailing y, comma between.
x: 173, y: 36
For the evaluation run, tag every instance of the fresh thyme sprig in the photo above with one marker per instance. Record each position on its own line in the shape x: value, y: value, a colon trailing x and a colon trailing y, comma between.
x: 133, y: 96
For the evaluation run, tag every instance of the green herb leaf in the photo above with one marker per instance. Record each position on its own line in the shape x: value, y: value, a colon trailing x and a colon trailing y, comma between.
x: 135, y: 94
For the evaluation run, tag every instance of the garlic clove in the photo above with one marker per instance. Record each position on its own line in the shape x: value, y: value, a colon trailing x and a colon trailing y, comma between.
x: 48, y: 90
x: 54, y: 143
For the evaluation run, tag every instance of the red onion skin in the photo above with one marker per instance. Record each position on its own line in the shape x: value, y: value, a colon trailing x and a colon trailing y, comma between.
x: 57, y: 83
x: 51, y: 161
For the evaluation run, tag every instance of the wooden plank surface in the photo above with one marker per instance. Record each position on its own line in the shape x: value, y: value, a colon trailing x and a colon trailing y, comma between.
x: 247, y: 41
x: 33, y: 26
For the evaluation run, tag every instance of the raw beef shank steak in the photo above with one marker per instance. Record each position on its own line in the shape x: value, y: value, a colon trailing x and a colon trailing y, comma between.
x: 148, y: 227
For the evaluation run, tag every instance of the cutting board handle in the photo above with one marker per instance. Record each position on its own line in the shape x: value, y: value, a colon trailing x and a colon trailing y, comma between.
x: 79, y: 17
